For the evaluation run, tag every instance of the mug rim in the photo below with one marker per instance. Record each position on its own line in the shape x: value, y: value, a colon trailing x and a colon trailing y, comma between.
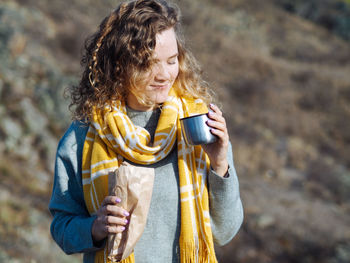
x: 189, y: 117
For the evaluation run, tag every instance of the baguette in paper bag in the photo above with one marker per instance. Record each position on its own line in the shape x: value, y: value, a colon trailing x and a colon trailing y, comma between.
x: 133, y: 185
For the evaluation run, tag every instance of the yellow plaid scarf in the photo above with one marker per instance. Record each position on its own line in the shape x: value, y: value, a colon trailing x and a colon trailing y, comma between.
x: 112, y: 137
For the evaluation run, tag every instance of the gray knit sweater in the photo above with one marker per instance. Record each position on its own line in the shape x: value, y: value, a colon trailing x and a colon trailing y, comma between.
x: 71, y: 225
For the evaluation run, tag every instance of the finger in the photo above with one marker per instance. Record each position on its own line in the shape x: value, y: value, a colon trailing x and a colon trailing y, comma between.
x: 114, y: 220
x: 222, y: 135
x: 115, y: 210
x: 217, y: 125
x: 110, y: 200
x: 215, y: 109
x: 115, y: 229
x: 217, y: 117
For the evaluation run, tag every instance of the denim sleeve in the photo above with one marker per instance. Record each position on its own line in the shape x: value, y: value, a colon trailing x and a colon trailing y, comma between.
x: 226, y: 211
x: 71, y: 225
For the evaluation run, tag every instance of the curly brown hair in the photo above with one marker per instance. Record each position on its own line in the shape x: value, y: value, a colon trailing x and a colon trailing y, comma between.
x: 119, y: 54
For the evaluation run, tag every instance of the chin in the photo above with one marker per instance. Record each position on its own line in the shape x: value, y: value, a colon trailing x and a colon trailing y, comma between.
x: 161, y: 98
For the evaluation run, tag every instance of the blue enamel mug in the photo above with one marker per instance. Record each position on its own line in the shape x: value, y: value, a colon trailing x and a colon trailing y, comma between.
x: 196, y: 131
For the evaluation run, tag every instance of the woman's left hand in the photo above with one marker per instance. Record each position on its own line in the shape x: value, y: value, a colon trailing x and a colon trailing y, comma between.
x: 217, y: 151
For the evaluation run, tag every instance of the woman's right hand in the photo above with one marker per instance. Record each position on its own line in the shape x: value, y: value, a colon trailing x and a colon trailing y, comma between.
x: 111, y: 219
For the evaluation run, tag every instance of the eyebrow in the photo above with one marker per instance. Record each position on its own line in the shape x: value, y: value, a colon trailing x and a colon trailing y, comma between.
x: 174, y: 56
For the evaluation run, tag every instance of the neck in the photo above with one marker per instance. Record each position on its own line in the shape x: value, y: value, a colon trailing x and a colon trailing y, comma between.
x: 133, y: 103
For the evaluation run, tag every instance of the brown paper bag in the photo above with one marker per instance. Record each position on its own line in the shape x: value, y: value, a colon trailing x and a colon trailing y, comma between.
x: 133, y: 185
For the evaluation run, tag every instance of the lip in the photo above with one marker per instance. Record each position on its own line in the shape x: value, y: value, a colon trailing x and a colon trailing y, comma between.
x: 159, y: 86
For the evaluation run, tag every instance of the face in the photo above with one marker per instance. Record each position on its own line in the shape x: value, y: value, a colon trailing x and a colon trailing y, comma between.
x: 162, y: 74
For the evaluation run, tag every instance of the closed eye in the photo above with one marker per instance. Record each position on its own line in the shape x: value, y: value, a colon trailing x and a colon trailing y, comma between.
x: 172, y: 62
x: 173, y: 59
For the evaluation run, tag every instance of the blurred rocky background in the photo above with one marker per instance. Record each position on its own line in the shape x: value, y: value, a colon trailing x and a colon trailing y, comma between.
x: 281, y: 70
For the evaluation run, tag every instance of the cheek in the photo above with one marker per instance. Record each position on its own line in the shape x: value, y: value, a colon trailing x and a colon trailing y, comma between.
x: 175, y: 72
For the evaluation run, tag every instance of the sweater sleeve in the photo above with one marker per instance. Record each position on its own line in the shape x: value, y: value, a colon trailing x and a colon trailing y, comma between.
x: 226, y: 211
x: 71, y: 224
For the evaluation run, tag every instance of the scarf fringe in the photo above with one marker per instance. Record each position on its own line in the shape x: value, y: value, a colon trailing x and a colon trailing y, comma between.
x: 203, y: 255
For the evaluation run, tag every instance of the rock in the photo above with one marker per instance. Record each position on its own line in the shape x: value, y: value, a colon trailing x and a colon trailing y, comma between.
x: 13, y: 132
x: 265, y: 221
x: 48, y: 146
x: 34, y: 119
x: 27, y: 151
x: 342, y: 253
x: 292, y: 177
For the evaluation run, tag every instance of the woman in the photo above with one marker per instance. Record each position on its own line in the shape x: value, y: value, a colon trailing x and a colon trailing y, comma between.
x: 139, y: 80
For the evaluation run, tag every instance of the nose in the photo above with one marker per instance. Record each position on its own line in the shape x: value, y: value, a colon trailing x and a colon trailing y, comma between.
x: 162, y: 73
